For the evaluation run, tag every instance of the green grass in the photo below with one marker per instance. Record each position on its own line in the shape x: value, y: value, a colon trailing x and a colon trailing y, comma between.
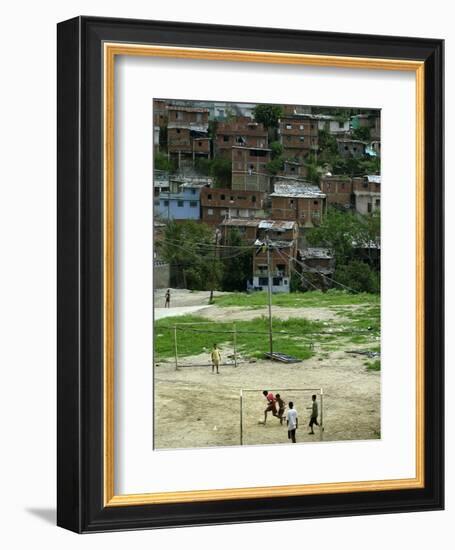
x: 252, y: 336
x: 298, y: 299
x: 374, y: 366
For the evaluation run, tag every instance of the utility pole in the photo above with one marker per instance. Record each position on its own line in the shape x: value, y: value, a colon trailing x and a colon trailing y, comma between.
x: 215, y: 257
x: 269, y: 277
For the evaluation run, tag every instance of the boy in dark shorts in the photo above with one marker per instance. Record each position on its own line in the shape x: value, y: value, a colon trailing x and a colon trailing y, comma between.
x: 281, y: 407
x: 314, y: 415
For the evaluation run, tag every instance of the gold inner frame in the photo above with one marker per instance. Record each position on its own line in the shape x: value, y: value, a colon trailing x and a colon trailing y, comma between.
x: 110, y: 51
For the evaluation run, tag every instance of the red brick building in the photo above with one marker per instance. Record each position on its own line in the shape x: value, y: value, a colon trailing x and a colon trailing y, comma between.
x: 299, y: 201
x: 338, y: 190
x: 281, y: 238
x: 186, y: 125
x: 298, y: 134
x: 367, y: 193
x: 219, y: 204
x: 240, y: 131
x: 249, y: 168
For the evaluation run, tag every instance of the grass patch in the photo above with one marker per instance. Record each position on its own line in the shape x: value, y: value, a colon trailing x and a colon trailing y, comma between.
x: 297, y: 299
x: 291, y: 336
x: 374, y: 366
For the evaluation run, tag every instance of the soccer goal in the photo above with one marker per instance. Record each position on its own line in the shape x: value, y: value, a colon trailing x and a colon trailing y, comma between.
x: 199, y: 337
x: 253, y: 404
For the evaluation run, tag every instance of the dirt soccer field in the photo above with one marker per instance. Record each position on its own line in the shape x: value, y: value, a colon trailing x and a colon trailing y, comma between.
x: 195, y: 408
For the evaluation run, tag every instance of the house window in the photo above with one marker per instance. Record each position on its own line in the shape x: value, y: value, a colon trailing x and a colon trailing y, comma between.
x: 193, y: 204
x: 231, y: 198
x: 200, y: 143
x: 378, y: 203
x: 178, y: 130
x: 301, y: 126
x: 193, y: 191
x: 369, y: 207
x: 180, y: 204
x: 222, y: 197
x: 251, y: 166
x: 288, y: 126
x: 225, y: 138
x: 166, y: 203
x: 291, y: 202
x: 210, y: 211
x: 302, y: 138
x: 198, y: 117
x: 209, y: 197
x: 340, y: 124
x: 276, y: 281
x: 316, y: 202
x: 157, y: 203
x: 263, y: 281
x: 292, y: 168
x: 253, y: 198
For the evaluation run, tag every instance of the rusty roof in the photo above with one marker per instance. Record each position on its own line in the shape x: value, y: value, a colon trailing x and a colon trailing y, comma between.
x: 298, y: 189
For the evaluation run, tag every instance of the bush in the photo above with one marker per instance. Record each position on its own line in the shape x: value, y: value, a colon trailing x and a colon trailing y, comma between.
x: 358, y: 276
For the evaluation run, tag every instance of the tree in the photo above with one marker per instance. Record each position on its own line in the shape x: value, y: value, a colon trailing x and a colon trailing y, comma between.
x: 277, y: 149
x: 238, y: 264
x: 358, y: 276
x: 276, y: 165
x: 268, y: 115
x: 163, y: 163
x: 363, y: 133
x: 189, y: 247
x: 221, y: 171
x: 347, y: 234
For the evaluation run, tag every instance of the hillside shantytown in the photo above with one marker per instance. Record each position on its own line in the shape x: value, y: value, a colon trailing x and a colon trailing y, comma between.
x: 251, y: 195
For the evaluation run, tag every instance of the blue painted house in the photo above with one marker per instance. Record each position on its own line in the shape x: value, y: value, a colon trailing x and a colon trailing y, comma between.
x: 180, y: 201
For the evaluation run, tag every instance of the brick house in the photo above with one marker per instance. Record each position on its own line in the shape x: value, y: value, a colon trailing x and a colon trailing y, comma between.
x: 218, y: 204
x: 298, y: 134
x: 351, y: 148
x: 367, y: 194
x: 281, y: 237
x: 338, y: 190
x: 249, y: 170
x: 240, y: 131
x: 317, y: 266
x: 300, y: 201
x: 186, y: 125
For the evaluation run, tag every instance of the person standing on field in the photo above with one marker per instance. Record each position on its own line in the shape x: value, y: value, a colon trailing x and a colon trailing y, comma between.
x: 314, y: 415
x: 216, y: 358
x: 292, y: 421
x: 167, y: 298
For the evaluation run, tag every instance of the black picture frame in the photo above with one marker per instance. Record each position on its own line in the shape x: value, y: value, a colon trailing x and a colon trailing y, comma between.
x: 80, y: 282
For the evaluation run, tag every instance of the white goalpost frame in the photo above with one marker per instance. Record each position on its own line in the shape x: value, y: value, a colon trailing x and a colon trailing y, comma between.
x: 315, y: 390
x: 234, y: 341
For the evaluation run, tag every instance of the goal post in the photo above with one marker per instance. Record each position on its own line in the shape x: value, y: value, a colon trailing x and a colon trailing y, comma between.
x: 299, y: 396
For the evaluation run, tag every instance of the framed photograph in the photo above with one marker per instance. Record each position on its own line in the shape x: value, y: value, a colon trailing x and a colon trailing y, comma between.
x: 250, y: 274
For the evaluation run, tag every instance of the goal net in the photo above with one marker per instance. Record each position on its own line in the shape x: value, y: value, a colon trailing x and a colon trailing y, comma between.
x: 253, y: 405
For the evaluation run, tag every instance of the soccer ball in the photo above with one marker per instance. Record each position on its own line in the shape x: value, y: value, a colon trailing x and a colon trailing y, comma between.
x: 260, y: 421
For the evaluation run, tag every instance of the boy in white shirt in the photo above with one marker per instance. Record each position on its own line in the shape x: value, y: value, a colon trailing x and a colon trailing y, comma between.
x: 292, y: 421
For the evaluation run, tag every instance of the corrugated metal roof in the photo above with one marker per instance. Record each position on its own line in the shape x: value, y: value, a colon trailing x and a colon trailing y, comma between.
x: 374, y: 179
x: 297, y: 190
x: 276, y: 225
x: 187, y: 109
x: 319, y: 253
x: 239, y: 222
